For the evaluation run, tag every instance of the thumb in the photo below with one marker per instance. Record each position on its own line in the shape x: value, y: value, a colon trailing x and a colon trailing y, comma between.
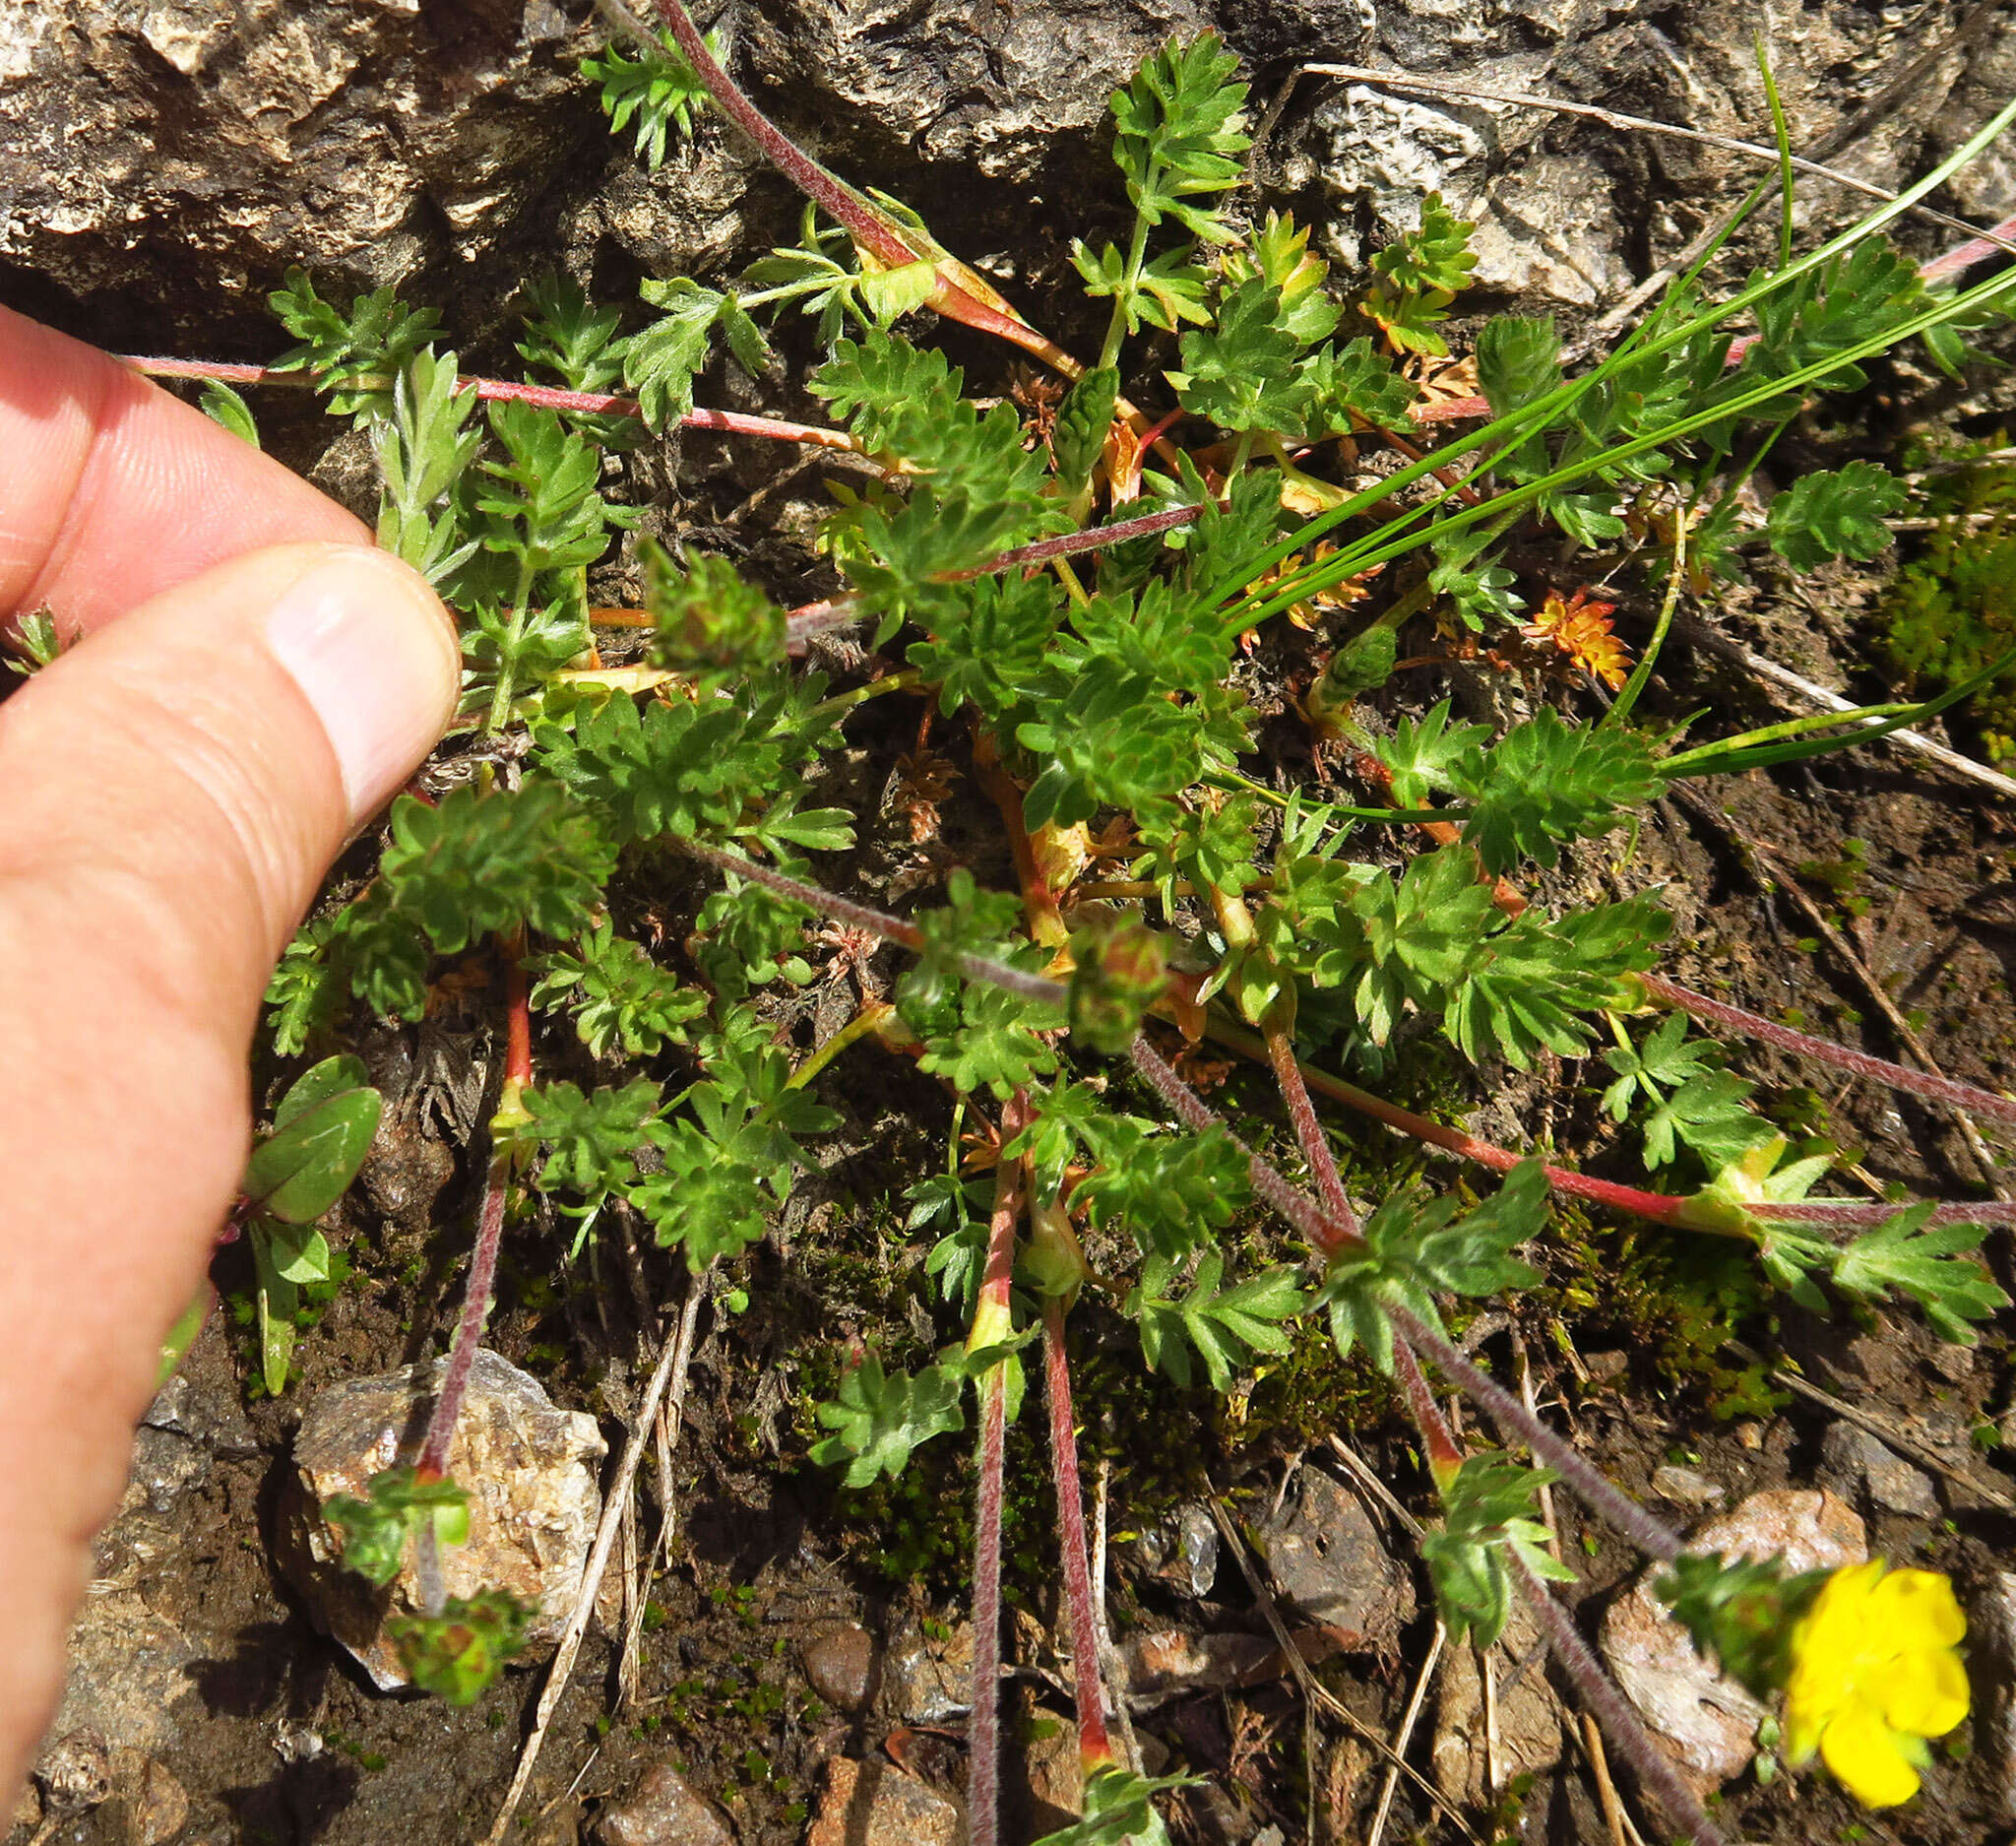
x: 172, y: 791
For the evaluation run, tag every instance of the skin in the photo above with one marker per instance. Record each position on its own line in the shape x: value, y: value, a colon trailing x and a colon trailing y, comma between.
x: 171, y: 792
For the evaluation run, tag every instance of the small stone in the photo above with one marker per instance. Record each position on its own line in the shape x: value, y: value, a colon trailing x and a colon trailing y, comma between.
x: 1160, y: 1663
x: 1853, y: 1458
x: 1706, y: 1723
x: 1606, y: 1368
x: 663, y: 1811
x: 1330, y: 1562
x: 75, y: 1772
x: 840, y: 1664
x: 867, y: 1804
x: 927, y: 1680
x: 160, y: 1804
x: 1181, y: 1549
x: 1684, y: 1487
x: 528, y: 1469
x: 27, y: 1810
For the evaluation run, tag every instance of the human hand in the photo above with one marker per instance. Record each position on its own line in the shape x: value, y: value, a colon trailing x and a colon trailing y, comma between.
x: 253, y: 682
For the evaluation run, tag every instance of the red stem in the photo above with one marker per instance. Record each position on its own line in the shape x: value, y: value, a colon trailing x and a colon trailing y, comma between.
x: 1315, y: 1144
x: 1654, y: 1768
x: 545, y: 397
x: 983, y: 1788
x: 482, y: 1267
x: 1824, y: 1051
x: 1094, y: 1746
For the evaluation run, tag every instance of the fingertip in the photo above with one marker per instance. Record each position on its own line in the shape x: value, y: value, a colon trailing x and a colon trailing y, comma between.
x: 375, y: 655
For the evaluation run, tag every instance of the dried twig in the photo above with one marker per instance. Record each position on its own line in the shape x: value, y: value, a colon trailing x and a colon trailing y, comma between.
x: 1404, y: 1733
x: 1881, y: 1428
x: 677, y: 1352
x: 1703, y: 636
x: 1314, y: 1689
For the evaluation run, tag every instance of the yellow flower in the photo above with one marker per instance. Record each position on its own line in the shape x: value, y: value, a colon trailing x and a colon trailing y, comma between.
x: 1874, y: 1672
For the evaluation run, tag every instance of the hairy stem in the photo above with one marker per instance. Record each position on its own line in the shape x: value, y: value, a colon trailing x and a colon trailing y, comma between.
x: 1824, y: 1051
x: 1613, y: 1711
x: 483, y: 1268
x: 1315, y: 1144
x: 1081, y: 1595
x: 991, y: 1324
x: 1629, y: 1519
x: 488, y: 390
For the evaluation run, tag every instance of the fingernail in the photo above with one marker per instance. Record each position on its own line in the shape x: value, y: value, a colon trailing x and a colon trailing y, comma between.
x: 369, y: 644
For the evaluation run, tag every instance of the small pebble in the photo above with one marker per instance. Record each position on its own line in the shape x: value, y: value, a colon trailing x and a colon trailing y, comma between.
x: 665, y: 1809
x: 840, y: 1665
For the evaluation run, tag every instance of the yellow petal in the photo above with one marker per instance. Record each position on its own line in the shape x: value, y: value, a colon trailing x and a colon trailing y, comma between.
x: 1863, y: 1752
x: 1921, y: 1606
x: 1924, y: 1691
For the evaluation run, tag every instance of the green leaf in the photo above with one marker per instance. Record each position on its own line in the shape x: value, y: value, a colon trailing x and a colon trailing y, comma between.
x: 1119, y: 1810
x: 1835, y: 513
x: 619, y: 995
x: 1543, y: 781
x: 1171, y: 1192
x: 878, y: 1417
x: 225, y: 407
x: 1224, y: 1327
x: 398, y: 1502
x: 354, y: 355
x: 1742, y: 1613
x: 1084, y: 421
x: 1180, y: 135
x: 1241, y: 374
x: 663, y: 359
x: 656, y: 88
x: 1488, y: 1506
x: 459, y: 1654
x: 593, y: 1141
x: 477, y: 863
x: 1414, y: 1250
x: 709, y: 617
x: 318, y: 1084
x: 1933, y: 1265
x: 424, y: 450
x: 300, y: 1171
x: 278, y: 1300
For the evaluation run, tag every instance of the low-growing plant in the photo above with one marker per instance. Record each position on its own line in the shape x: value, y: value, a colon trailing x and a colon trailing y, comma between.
x: 1073, y: 592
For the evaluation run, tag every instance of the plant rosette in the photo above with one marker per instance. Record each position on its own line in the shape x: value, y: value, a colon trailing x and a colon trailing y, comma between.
x: 1875, y: 1672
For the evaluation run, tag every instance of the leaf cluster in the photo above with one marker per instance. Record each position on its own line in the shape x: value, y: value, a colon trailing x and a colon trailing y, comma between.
x: 1488, y: 1510
x: 1413, y: 1251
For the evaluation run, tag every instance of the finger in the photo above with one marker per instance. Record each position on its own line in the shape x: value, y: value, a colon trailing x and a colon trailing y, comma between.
x: 170, y: 792
x: 111, y: 491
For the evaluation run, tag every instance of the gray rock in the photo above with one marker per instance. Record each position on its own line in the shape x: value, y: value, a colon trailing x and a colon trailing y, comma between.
x: 1687, y: 1487
x: 663, y: 1811
x: 1330, y: 1562
x: 869, y: 1804
x: 533, y: 1501
x: 926, y: 1679
x: 840, y: 1664
x: 1161, y: 1663
x: 1706, y: 1723
x: 1854, y: 1460
x: 128, y: 1669
x: 204, y: 1410
x: 1180, y: 1549
x: 1000, y: 89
